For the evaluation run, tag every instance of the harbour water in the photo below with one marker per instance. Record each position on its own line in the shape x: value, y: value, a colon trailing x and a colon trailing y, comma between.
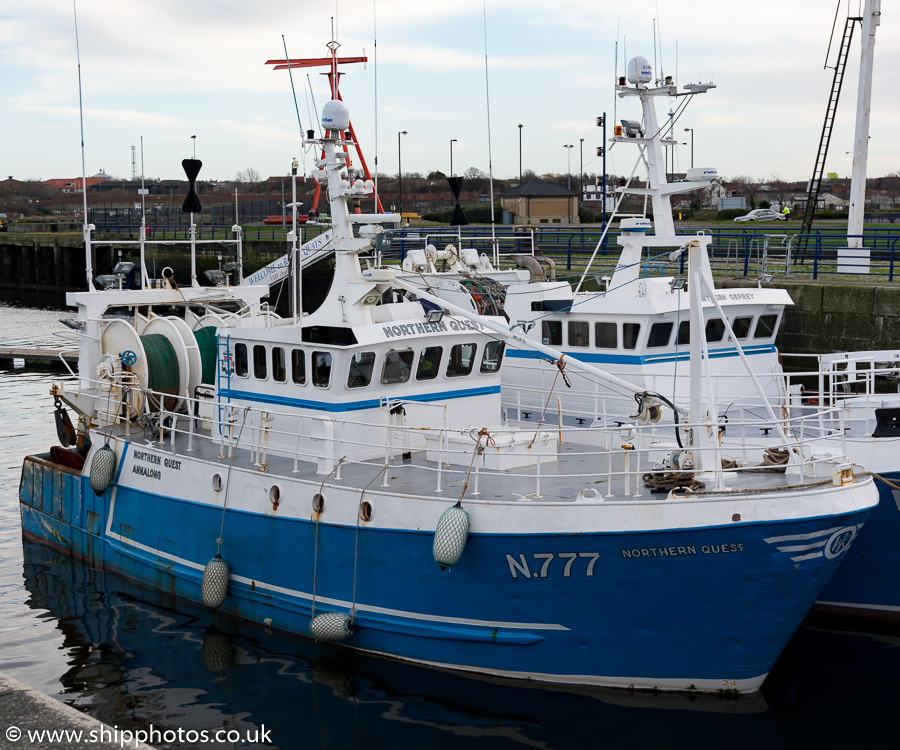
x: 135, y: 658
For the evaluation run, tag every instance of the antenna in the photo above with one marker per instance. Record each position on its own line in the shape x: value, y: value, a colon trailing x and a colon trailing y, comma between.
x: 487, y: 94
x: 375, y: 63
x: 85, y: 230
x: 133, y: 164
x: 296, y: 106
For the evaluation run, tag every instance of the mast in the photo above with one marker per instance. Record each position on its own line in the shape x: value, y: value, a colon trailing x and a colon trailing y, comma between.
x: 856, y: 214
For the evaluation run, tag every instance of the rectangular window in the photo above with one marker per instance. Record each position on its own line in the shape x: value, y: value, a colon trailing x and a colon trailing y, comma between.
x: 279, y: 371
x: 462, y: 357
x: 551, y: 332
x: 241, y: 366
x: 579, y: 333
x: 765, y: 326
x: 660, y: 333
x: 741, y: 327
x: 259, y: 362
x: 715, y: 329
x: 630, y: 333
x: 298, y: 366
x: 606, y: 335
x: 493, y: 356
x: 397, y: 366
x: 361, y: 366
x: 321, y: 369
x: 684, y: 333
x: 429, y: 363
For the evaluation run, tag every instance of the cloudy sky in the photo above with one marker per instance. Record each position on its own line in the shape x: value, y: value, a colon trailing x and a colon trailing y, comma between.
x: 170, y: 69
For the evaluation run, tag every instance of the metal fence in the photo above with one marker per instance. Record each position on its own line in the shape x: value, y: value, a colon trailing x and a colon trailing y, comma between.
x: 737, y: 253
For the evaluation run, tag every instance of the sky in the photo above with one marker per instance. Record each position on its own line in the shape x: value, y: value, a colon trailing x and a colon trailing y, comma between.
x: 470, y: 70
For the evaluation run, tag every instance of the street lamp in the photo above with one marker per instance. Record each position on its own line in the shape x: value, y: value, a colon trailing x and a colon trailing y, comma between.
x: 194, y: 139
x: 691, y: 131
x: 452, y: 141
x: 399, y: 175
x: 520, y: 153
x: 569, y: 147
x: 581, y: 165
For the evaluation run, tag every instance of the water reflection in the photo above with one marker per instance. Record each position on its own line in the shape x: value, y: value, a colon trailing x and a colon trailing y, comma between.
x: 134, y: 660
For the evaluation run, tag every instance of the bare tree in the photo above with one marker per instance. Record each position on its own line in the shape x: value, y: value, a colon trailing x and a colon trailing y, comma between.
x: 248, y: 177
x: 748, y: 186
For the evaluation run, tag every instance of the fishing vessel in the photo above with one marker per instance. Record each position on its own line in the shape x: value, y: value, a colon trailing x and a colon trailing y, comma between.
x: 638, y: 325
x: 854, y: 397
x: 347, y: 474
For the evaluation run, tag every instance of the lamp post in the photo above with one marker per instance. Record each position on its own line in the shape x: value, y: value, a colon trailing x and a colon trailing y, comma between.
x: 399, y: 175
x: 520, y: 153
x: 581, y: 166
x: 194, y: 139
x: 452, y: 141
x: 691, y: 131
x: 569, y: 147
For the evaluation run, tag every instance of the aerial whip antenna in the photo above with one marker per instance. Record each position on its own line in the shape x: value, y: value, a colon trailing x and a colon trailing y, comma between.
x: 296, y: 106
x: 375, y: 56
x: 85, y: 227
x: 487, y: 93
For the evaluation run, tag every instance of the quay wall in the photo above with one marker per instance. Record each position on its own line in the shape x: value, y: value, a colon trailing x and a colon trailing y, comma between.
x: 827, y: 316
x: 837, y: 316
x: 38, y: 271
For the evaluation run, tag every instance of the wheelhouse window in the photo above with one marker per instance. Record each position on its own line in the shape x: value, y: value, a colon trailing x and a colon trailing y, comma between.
x: 715, y: 329
x: 684, y: 333
x: 298, y: 366
x: 397, y: 366
x: 579, y: 333
x: 660, y: 333
x: 493, y: 356
x: 630, y: 333
x: 279, y: 371
x: 259, y: 362
x: 606, y: 335
x: 241, y: 366
x: 462, y: 357
x: 321, y: 369
x: 765, y: 326
x: 551, y: 332
x: 741, y: 327
x: 429, y: 363
x: 361, y: 366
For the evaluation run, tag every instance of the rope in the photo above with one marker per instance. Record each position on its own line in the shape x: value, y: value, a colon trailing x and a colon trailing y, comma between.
x: 316, y: 545
x: 228, y: 485
x: 356, y: 542
x: 483, y: 432
x: 560, y: 371
x: 669, y: 480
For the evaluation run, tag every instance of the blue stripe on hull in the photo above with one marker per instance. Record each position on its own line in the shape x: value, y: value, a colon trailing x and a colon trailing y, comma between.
x: 641, y: 359
x: 227, y: 394
x: 867, y: 580
x: 670, y: 605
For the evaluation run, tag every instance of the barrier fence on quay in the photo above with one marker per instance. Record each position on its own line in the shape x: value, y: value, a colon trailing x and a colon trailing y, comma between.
x: 734, y: 252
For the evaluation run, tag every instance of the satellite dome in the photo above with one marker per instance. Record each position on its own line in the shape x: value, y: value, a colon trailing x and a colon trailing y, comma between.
x: 639, y: 70
x: 335, y: 115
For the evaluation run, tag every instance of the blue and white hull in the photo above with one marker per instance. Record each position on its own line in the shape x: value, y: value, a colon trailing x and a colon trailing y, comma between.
x: 677, y: 604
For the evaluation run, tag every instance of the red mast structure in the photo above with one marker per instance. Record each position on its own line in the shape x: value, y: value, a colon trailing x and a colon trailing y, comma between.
x: 334, y: 83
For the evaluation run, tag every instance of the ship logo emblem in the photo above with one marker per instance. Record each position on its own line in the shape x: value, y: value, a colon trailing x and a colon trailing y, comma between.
x: 839, y: 542
x: 828, y: 543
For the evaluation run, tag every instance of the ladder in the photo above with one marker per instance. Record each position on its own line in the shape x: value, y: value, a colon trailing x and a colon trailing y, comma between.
x: 815, y: 183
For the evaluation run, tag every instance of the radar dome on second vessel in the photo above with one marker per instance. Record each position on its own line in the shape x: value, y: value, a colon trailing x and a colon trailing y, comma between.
x: 335, y: 115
